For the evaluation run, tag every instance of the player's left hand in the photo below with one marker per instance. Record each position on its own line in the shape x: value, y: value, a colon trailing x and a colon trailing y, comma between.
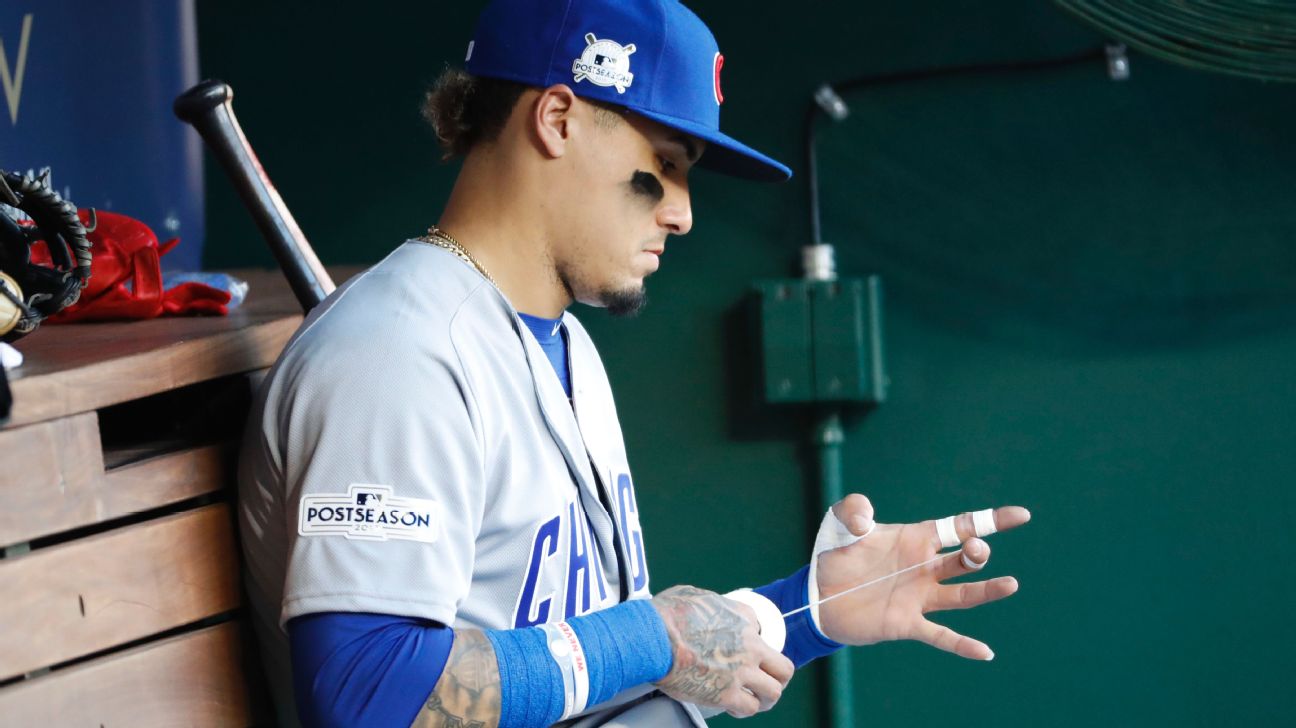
x: 894, y: 609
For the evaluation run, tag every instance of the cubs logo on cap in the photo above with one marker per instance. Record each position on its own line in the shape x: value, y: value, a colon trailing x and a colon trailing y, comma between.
x: 653, y: 57
x: 719, y: 63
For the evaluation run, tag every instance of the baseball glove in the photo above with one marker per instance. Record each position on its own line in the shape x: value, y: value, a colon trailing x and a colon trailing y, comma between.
x: 30, y: 292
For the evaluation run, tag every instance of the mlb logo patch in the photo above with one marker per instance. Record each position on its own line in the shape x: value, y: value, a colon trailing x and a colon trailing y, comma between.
x: 369, y: 512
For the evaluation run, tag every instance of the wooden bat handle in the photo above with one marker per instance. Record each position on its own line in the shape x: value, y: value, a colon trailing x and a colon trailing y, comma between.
x: 208, y: 108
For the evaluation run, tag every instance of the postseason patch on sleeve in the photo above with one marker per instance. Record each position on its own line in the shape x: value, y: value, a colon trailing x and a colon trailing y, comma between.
x: 370, y: 513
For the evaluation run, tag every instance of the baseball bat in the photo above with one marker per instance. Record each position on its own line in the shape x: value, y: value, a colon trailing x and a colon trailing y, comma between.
x: 208, y: 108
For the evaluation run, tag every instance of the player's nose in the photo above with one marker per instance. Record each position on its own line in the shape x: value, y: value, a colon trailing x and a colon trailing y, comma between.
x: 676, y: 212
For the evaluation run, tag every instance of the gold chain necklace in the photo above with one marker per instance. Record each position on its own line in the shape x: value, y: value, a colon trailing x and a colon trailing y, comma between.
x: 440, y: 238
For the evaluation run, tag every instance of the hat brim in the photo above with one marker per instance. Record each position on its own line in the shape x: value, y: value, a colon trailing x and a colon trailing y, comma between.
x: 725, y: 154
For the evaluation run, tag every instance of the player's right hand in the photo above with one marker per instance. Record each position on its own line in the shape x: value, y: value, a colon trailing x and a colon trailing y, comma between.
x: 720, y: 660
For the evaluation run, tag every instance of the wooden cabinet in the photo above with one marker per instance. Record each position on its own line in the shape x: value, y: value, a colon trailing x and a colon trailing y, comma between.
x: 122, y: 603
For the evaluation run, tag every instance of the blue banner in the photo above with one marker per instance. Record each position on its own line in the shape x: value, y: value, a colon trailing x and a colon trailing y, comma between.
x: 87, y: 92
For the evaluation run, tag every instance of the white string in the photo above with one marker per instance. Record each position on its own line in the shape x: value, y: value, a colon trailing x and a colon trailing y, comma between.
x: 905, y: 570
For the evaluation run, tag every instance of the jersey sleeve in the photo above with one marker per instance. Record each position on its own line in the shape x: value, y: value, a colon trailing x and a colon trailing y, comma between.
x: 384, y: 476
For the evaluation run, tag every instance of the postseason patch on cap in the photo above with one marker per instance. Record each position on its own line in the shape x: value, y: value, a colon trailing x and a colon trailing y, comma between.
x: 370, y: 513
x: 604, y: 63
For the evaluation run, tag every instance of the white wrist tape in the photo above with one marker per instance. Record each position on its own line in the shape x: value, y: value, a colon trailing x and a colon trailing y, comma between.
x: 772, y: 629
x: 983, y: 522
x: 947, y: 533
x: 833, y: 534
x: 570, y: 656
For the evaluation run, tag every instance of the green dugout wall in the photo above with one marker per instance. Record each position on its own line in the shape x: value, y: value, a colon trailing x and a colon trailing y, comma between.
x: 1091, y: 311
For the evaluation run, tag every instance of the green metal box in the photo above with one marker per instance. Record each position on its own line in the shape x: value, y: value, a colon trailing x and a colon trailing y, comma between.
x: 784, y: 325
x: 847, y: 340
x: 821, y: 341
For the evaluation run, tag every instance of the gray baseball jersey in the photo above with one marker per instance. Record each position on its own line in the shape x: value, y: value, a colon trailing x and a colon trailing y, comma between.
x: 413, y: 453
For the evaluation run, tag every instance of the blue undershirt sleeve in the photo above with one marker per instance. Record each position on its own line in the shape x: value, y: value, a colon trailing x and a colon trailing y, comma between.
x: 378, y: 669
x: 804, y: 640
x: 365, y: 669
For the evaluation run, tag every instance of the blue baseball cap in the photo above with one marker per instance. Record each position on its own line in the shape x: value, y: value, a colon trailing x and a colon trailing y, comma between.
x: 654, y: 57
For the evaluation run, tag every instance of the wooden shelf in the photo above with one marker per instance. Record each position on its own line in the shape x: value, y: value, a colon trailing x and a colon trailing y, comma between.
x: 76, y: 368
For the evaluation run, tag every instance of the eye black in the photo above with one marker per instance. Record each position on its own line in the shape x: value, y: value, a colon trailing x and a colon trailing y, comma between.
x: 647, y: 184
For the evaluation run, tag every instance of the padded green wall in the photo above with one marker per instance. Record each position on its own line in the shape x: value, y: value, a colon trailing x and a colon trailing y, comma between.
x: 1091, y: 311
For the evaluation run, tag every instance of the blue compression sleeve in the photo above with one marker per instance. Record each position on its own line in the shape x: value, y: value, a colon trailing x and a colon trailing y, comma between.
x: 804, y: 640
x: 365, y: 669
x: 625, y: 645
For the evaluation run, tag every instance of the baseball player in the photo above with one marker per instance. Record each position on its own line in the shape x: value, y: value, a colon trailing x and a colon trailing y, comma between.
x: 439, y: 519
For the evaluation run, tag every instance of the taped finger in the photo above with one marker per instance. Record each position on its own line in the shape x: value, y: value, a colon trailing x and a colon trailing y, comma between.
x: 975, y: 554
x: 983, y: 523
x: 953, y: 530
x: 947, y: 533
x: 973, y: 557
x: 855, y: 512
x: 833, y: 534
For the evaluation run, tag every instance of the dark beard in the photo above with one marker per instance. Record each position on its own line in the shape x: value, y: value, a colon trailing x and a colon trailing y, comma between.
x: 624, y: 303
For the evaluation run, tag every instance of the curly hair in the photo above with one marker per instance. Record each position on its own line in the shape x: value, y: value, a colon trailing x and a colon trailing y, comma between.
x: 466, y: 110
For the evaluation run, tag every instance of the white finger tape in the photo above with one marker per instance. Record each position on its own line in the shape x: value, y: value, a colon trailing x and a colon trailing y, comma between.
x: 833, y: 534
x: 969, y: 564
x: 984, y: 523
x: 772, y: 629
x: 947, y: 533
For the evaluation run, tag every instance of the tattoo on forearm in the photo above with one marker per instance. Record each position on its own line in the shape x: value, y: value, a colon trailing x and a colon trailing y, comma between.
x: 468, y: 693
x: 706, y: 636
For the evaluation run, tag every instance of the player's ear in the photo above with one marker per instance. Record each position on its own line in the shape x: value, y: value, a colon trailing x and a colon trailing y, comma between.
x: 552, y: 117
